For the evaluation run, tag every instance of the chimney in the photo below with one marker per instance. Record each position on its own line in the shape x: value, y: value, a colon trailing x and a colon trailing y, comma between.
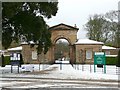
x: 75, y: 26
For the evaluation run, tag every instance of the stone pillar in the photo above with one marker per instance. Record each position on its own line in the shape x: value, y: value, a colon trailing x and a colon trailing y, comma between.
x: 84, y: 56
x: 26, y: 53
x: 72, y: 54
x: 52, y: 50
x: 52, y: 53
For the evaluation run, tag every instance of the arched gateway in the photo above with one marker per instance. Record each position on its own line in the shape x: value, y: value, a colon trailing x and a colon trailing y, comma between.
x: 81, y: 51
x: 63, y: 31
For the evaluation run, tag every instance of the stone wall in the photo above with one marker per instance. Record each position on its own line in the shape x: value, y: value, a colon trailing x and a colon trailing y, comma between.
x: 111, y: 51
x: 69, y: 35
x: 27, y: 55
x: 81, y: 53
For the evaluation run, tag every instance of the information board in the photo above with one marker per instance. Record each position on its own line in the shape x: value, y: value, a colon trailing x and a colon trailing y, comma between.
x: 15, y: 60
x: 99, y: 60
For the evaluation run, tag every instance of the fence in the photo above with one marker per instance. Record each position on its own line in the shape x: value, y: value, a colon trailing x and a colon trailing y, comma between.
x: 110, y: 69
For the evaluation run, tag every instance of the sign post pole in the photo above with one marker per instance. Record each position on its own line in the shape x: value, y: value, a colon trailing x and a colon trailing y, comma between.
x: 18, y: 68
x: 104, y: 64
x: 94, y: 63
x: 94, y: 68
x: 11, y: 69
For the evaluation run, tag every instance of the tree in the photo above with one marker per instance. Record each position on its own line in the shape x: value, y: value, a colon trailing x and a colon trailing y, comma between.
x: 25, y: 21
x: 103, y: 28
x: 61, y: 47
x: 94, y: 27
x: 112, y: 16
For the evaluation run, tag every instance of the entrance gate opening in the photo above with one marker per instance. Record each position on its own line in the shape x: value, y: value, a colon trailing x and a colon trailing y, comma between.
x: 62, y: 51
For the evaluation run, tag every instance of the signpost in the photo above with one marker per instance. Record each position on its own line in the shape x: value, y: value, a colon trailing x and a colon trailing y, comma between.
x: 15, y: 60
x: 61, y: 62
x: 99, y: 60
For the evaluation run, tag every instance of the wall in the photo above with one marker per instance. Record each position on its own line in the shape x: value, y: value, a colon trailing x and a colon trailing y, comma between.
x: 111, y: 51
x: 81, y: 53
x: 27, y: 55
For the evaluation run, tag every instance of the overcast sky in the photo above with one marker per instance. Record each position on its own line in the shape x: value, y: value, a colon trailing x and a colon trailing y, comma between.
x: 77, y: 12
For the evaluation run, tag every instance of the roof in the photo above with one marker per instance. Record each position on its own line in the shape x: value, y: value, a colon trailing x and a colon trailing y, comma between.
x: 30, y: 42
x: 88, y: 41
x: 60, y: 27
x: 107, y: 47
x: 3, y: 50
x: 15, y: 49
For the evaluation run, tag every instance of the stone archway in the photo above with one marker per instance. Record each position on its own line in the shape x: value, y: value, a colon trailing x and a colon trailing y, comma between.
x: 63, y: 31
x: 62, y: 51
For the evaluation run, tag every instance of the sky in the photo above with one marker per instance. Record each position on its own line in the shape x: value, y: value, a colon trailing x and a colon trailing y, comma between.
x: 77, y: 12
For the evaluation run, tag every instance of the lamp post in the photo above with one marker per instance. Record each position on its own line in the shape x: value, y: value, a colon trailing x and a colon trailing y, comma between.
x: 43, y: 56
x: 39, y: 61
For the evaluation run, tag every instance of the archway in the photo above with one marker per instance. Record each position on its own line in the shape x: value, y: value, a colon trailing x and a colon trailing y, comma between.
x: 63, y: 31
x: 62, y: 50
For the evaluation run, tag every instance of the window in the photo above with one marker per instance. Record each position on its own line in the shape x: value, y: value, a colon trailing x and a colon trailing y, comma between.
x: 107, y: 52
x: 89, y: 54
x: 34, y: 54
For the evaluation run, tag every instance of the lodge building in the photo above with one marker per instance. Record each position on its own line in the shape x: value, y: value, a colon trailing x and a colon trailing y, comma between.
x: 81, y: 51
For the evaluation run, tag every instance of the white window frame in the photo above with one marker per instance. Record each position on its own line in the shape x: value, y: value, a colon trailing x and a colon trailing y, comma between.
x: 34, y: 55
x: 89, y: 54
x: 107, y: 52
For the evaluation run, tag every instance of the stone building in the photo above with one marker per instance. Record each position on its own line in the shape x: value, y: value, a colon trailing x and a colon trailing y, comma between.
x: 81, y: 51
x: 85, y: 49
x: 110, y: 51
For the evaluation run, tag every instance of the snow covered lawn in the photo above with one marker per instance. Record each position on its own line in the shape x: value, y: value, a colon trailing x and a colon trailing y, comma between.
x: 67, y: 72
x: 52, y: 76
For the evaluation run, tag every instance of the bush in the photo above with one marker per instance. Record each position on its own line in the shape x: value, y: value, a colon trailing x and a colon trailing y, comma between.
x: 111, y: 60
x: 8, y: 62
x: 118, y: 59
x: 3, y: 61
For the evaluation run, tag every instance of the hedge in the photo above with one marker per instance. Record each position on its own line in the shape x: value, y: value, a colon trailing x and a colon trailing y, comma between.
x: 111, y: 60
x: 7, y: 61
x: 118, y: 59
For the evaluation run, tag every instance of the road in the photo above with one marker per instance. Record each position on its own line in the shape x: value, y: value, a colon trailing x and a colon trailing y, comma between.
x: 20, y: 82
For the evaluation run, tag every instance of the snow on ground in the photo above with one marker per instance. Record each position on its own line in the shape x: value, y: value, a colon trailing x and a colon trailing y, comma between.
x: 67, y: 72
x: 54, y: 76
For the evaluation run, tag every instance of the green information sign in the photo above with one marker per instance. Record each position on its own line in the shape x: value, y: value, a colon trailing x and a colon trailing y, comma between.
x: 99, y: 59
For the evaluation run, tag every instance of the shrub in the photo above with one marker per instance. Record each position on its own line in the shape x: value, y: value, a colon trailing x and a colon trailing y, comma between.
x: 3, y: 60
x: 6, y: 61
x: 118, y: 59
x: 111, y: 60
